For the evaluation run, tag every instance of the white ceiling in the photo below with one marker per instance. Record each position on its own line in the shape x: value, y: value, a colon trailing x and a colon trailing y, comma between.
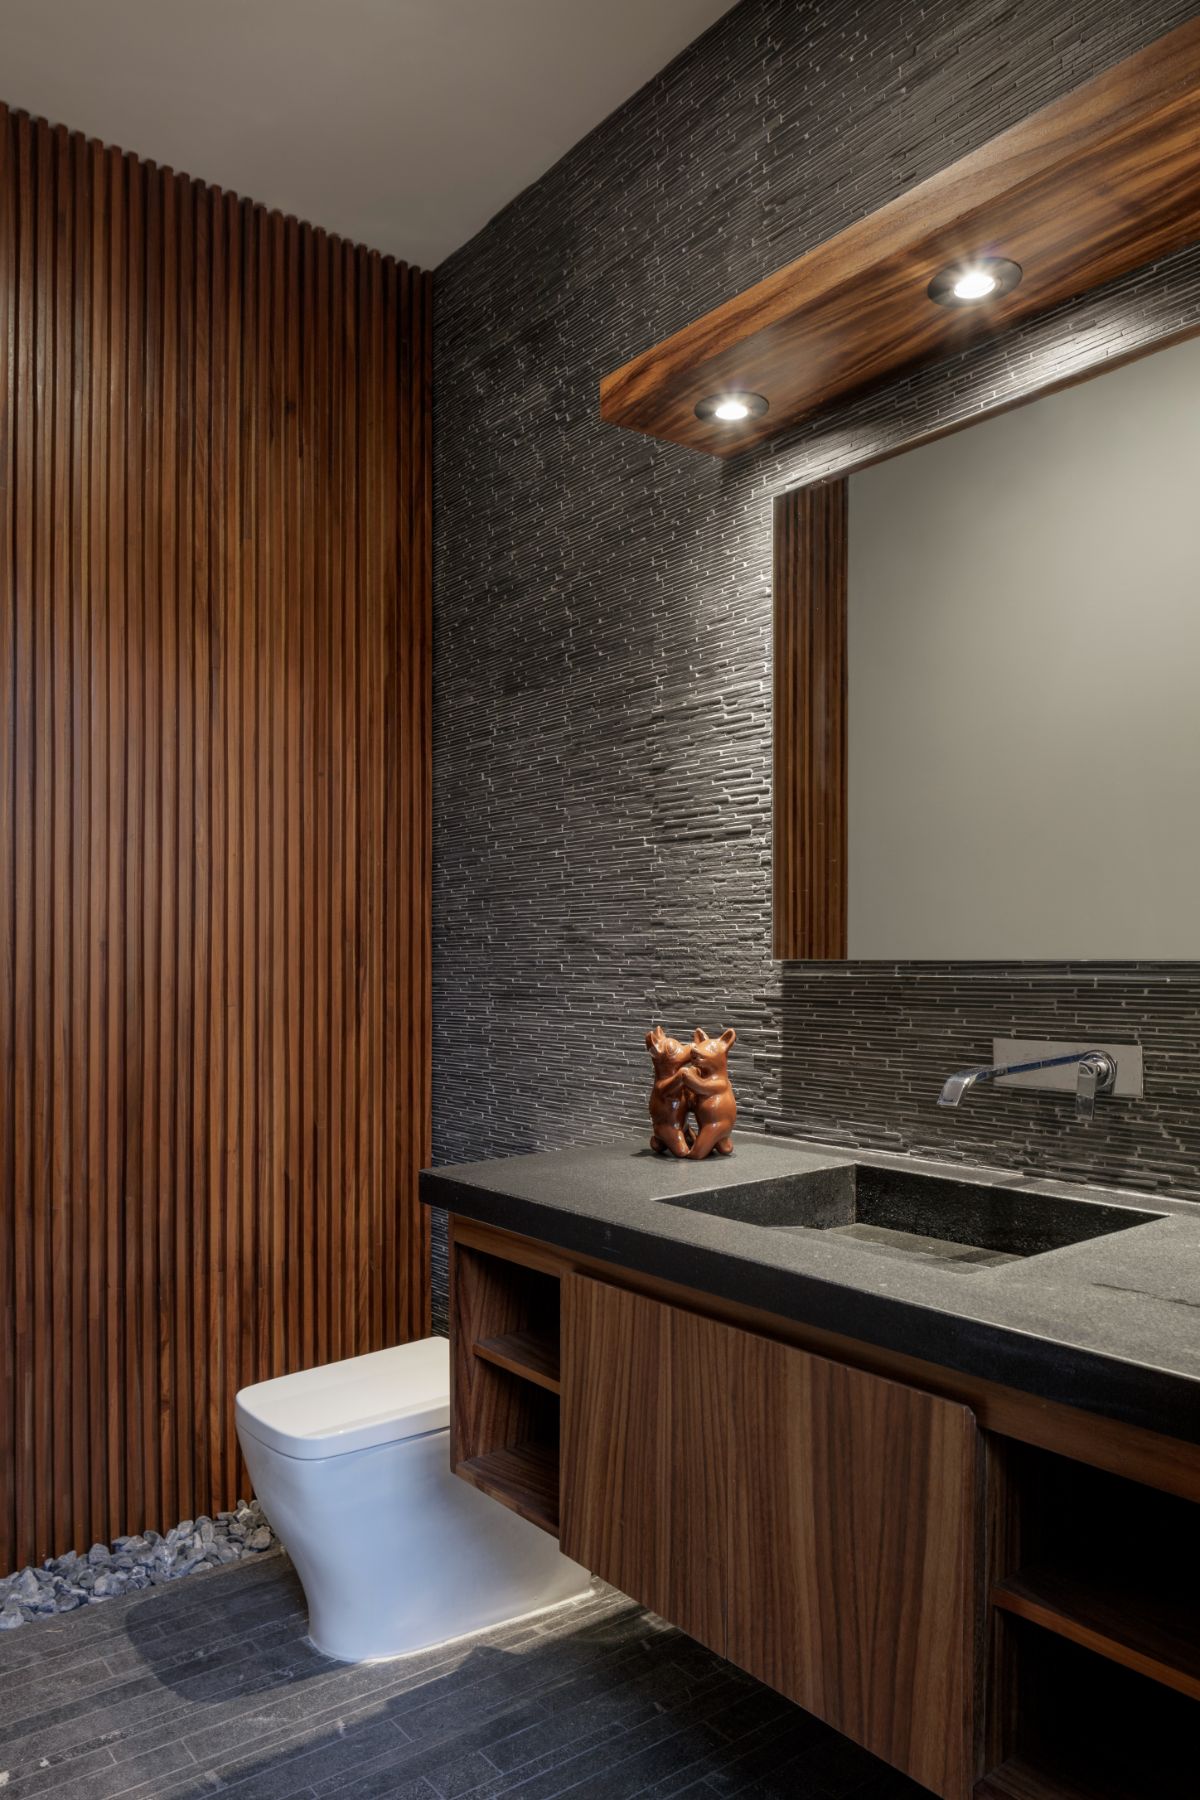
x: 403, y: 124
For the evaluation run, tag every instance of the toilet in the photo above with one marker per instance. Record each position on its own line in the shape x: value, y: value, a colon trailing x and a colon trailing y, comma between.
x: 351, y: 1465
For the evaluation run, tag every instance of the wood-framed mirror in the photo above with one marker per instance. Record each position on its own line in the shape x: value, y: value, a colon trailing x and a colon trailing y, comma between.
x: 987, y: 664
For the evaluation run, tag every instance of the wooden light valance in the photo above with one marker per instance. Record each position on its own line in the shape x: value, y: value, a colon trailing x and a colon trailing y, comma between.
x: 1098, y: 183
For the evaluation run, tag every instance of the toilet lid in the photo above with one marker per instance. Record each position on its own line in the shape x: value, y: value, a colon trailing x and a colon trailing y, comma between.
x: 375, y: 1399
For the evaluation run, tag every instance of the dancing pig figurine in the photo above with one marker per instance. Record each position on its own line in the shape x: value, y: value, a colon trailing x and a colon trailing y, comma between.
x: 691, y: 1079
x: 670, y: 1101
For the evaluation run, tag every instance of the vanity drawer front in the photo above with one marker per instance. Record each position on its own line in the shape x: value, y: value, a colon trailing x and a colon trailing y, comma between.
x: 815, y: 1524
x: 853, y: 1554
x: 645, y: 1451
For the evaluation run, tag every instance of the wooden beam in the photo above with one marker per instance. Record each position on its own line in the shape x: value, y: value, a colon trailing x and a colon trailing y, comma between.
x: 1100, y: 182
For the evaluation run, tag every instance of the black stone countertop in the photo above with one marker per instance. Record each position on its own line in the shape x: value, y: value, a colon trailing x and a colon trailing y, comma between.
x: 1111, y: 1325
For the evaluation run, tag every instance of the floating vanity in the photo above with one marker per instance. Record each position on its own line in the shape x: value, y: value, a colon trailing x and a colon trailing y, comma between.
x: 917, y: 1447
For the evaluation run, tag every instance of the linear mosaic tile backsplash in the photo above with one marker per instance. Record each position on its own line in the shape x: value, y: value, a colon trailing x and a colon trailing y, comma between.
x: 603, y: 612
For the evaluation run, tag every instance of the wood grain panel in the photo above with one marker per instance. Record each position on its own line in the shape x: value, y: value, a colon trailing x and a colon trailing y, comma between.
x: 853, y: 1555
x: 1102, y: 181
x: 214, y: 824
x: 646, y: 1452
x: 809, y: 797
x: 817, y: 1525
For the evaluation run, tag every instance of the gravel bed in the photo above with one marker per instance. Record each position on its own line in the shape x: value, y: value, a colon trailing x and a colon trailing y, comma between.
x: 147, y: 1560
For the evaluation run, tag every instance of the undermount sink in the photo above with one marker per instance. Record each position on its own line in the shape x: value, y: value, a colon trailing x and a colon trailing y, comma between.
x: 923, y: 1218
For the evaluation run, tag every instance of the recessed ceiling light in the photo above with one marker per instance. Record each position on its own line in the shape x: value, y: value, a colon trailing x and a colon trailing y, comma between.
x: 731, y: 408
x: 967, y: 283
x: 973, y: 285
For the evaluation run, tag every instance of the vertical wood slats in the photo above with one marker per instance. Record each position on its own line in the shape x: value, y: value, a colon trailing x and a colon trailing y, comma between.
x: 215, y: 860
x: 810, y: 772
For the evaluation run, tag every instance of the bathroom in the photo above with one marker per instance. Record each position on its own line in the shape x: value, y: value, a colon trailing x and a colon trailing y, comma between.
x: 403, y: 718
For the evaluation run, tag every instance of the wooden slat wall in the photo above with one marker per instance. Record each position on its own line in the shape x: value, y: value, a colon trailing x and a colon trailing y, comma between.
x: 809, y: 782
x: 214, y: 824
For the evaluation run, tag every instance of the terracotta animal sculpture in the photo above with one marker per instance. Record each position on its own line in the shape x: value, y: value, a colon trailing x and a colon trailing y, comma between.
x: 714, y: 1105
x: 670, y: 1101
x: 691, y: 1079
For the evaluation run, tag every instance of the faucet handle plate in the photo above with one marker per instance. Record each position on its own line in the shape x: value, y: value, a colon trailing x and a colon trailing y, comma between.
x: 1126, y: 1060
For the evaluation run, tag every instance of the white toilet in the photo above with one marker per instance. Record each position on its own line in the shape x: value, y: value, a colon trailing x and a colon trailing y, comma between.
x: 351, y: 1465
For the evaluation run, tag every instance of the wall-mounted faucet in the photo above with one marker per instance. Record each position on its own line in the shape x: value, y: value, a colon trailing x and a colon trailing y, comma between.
x: 1097, y: 1074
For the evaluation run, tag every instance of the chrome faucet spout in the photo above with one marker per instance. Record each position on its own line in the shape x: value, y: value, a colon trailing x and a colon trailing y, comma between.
x: 956, y: 1085
x: 1097, y: 1075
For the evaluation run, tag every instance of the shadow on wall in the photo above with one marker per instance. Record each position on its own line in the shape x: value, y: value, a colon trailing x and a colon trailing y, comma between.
x: 867, y: 1046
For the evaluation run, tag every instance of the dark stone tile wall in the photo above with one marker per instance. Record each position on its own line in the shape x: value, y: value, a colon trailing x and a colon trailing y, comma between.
x: 603, y: 609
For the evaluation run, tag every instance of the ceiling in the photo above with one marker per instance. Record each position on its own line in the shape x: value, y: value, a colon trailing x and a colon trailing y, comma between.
x: 403, y: 124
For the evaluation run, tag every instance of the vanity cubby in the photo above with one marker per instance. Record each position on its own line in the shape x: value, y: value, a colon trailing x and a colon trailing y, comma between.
x: 1091, y: 1729
x: 504, y: 1334
x: 1094, y: 1619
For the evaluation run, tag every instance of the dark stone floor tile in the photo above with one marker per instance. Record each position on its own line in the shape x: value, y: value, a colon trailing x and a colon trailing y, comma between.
x: 606, y: 1717
x: 209, y: 1687
x: 138, y: 1776
x: 658, y: 1755
x: 49, y: 1774
x: 198, y: 1786
x: 193, y: 1640
x: 340, y: 1752
x: 792, y: 1780
x: 381, y: 1784
x: 755, y: 1706
x: 756, y: 1755
x: 53, y: 1689
x: 666, y: 1764
x: 452, y: 1776
x: 844, y: 1767
x: 546, y: 1775
x: 220, y: 1593
x: 635, y: 1671
x: 78, y: 1718
x: 889, y: 1784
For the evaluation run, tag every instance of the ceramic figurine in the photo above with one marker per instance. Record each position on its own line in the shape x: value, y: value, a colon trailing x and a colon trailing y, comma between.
x: 691, y: 1079
x: 713, y: 1103
x: 670, y: 1102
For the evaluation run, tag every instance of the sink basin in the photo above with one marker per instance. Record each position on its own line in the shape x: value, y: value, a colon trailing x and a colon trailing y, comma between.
x: 923, y: 1218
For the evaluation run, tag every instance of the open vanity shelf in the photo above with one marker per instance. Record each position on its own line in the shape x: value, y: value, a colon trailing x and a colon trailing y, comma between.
x: 1094, y: 1592
x: 533, y: 1355
x: 1112, y: 1611
x: 1092, y: 1731
x: 505, y: 1354
x: 1102, y: 181
x: 1147, y: 1624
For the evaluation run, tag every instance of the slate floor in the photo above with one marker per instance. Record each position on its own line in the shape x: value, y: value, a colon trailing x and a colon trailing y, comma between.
x: 209, y: 1687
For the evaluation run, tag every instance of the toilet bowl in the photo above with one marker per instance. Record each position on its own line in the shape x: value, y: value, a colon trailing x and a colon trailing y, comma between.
x: 351, y: 1465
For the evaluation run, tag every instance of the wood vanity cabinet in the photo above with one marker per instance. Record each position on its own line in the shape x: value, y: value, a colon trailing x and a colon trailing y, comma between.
x: 816, y: 1524
x: 995, y: 1594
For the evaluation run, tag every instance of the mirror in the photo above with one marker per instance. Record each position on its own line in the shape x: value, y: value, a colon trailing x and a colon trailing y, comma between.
x: 987, y: 661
